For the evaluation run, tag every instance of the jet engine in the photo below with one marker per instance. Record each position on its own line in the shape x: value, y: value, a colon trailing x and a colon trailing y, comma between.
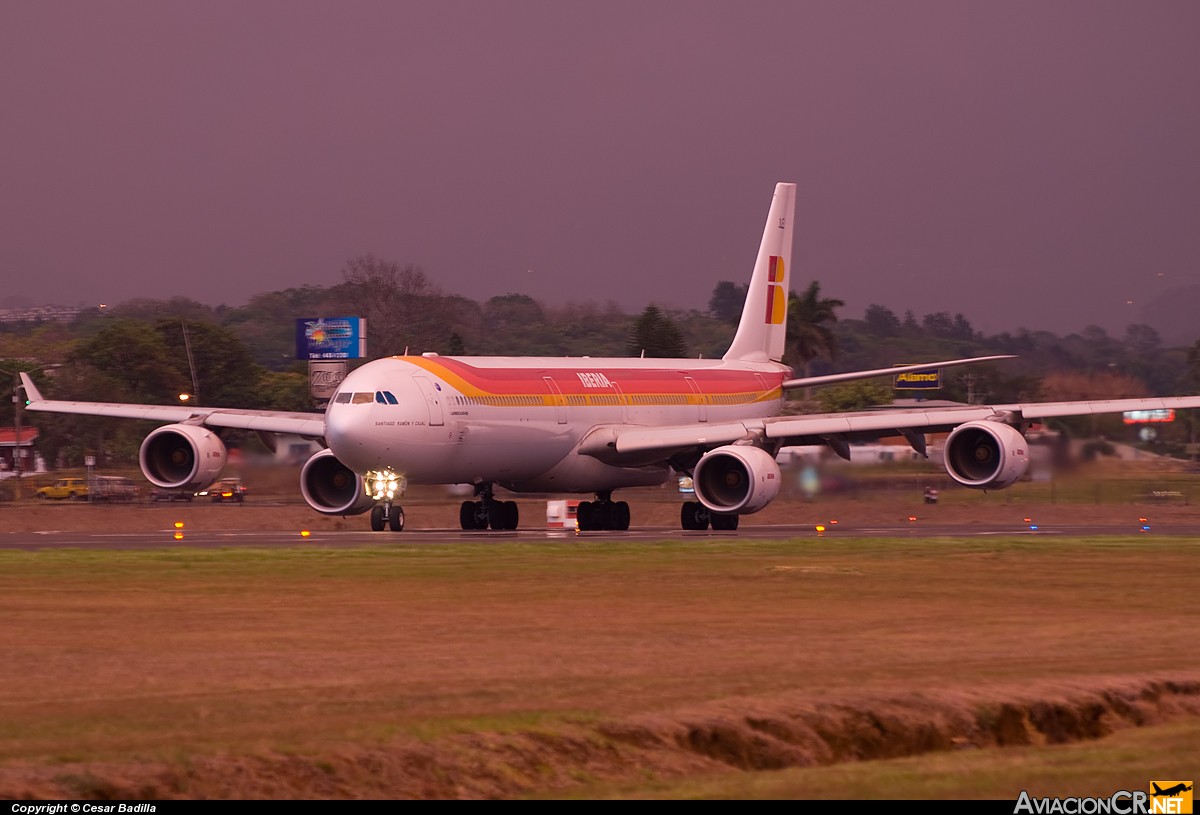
x: 332, y: 488
x: 736, y: 478
x: 986, y: 455
x: 182, y: 455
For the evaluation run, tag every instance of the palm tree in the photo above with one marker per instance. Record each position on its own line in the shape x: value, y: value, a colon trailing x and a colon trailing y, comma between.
x: 808, y: 336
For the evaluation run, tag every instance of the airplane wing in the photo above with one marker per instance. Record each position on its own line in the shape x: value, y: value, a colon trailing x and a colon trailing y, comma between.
x: 821, y: 428
x: 310, y: 425
x: 850, y: 376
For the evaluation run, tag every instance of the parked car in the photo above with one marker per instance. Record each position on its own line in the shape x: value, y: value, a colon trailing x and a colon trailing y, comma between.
x: 70, y: 489
x: 161, y: 494
x: 227, y: 489
x: 114, y: 488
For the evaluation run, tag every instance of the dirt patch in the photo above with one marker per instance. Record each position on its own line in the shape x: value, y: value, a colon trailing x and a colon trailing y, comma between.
x: 757, y: 735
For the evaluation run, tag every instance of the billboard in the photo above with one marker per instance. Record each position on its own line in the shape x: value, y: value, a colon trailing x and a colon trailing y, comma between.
x: 1154, y: 415
x: 929, y: 380
x: 324, y: 378
x: 331, y: 338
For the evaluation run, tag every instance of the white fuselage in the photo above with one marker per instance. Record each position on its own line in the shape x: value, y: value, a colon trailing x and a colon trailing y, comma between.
x: 519, y: 422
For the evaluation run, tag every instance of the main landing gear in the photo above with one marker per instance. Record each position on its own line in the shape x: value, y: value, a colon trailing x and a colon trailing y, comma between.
x: 602, y: 514
x: 694, y: 515
x: 387, y: 514
x: 487, y: 511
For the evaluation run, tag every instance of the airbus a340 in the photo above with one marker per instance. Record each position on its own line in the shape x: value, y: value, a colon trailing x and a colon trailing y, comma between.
x: 589, y: 425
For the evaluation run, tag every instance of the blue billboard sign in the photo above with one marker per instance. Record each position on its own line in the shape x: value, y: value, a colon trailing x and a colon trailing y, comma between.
x: 331, y: 338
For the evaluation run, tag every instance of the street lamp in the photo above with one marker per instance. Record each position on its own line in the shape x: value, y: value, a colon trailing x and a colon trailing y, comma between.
x: 18, y: 403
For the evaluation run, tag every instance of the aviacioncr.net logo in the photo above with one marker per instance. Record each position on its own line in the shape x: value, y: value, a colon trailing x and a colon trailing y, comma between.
x: 1163, y: 798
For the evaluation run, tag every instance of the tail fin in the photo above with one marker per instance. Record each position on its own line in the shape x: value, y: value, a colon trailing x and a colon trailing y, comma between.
x: 1157, y: 788
x: 760, y: 333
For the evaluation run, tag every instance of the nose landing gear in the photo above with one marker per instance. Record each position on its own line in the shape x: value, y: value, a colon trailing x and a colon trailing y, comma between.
x: 383, y: 486
x: 387, y: 514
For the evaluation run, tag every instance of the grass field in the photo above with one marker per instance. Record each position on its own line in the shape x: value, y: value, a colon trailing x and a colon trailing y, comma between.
x: 847, y: 668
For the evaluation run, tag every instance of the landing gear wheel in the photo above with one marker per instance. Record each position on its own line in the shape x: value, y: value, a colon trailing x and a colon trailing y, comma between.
x: 396, y: 519
x: 693, y: 515
x: 583, y: 516
x: 621, y: 516
x: 602, y: 514
x: 466, y: 515
x: 502, y: 515
x: 724, y: 523
x: 495, y: 516
x: 377, y: 519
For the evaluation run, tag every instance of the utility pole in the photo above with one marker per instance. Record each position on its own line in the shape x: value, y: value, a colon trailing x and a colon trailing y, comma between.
x: 18, y: 403
x: 17, y: 426
x: 187, y: 345
x: 972, y: 395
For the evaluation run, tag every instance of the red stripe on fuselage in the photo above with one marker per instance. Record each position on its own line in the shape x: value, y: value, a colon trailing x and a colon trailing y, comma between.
x: 473, y: 380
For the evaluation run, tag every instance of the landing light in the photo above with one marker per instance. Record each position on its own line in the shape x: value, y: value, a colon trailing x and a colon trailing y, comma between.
x: 384, y: 484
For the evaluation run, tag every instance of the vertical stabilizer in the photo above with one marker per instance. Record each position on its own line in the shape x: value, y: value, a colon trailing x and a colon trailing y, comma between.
x: 760, y: 333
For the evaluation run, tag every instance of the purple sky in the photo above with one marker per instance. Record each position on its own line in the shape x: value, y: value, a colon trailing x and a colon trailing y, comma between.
x: 1028, y: 164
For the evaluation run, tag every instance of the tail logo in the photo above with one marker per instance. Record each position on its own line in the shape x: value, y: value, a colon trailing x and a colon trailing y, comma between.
x: 776, y: 298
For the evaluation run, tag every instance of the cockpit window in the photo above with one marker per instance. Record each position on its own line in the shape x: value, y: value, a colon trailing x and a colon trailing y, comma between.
x: 364, y: 398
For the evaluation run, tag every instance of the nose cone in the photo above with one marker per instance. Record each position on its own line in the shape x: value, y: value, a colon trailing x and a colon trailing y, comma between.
x: 376, y: 409
x: 339, y: 425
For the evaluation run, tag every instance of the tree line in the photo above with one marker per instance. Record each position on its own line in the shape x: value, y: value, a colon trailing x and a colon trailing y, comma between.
x: 138, y: 351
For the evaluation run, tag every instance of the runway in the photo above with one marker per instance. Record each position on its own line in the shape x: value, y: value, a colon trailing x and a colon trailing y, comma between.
x: 176, y: 538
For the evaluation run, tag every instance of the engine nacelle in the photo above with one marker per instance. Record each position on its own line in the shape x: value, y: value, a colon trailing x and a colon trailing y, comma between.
x: 332, y: 488
x: 736, y: 478
x: 986, y: 455
x: 182, y: 455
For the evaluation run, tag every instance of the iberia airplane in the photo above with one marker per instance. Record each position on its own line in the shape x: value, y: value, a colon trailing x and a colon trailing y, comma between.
x: 589, y: 425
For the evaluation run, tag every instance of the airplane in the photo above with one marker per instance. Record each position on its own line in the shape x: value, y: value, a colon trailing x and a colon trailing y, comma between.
x: 1170, y: 792
x: 585, y: 425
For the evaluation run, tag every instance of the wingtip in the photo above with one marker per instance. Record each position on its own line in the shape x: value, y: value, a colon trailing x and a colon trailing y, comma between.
x: 31, y: 391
